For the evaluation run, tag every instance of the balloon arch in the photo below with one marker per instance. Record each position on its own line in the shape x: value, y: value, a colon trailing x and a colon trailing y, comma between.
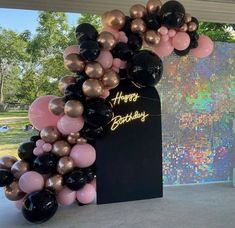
x: 57, y: 166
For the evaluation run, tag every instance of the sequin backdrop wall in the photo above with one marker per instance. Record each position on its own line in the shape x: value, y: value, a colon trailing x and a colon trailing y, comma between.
x: 198, y: 112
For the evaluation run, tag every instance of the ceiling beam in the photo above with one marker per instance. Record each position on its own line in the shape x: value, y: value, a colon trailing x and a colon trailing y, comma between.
x: 205, y: 10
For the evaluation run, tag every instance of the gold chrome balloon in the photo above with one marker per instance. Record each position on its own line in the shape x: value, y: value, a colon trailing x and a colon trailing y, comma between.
x: 184, y: 28
x: 19, y: 168
x: 50, y: 134
x: 72, y: 138
x: 192, y: 26
x: 106, y: 40
x: 153, y: 6
x: 73, y: 108
x: 152, y: 38
x: 138, y: 11
x: 6, y: 162
x: 55, y: 183
x: 74, y: 63
x: 56, y: 106
x: 61, y: 148
x: 94, y: 70
x: 187, y: 18
x: 65, y: 165
x: 110, y: 79
x: 13, y: 192
x: 92, y: 88
x: 66, y: 81
x: 138, y: 26
x: 81, y: 140
x: 115, y: 19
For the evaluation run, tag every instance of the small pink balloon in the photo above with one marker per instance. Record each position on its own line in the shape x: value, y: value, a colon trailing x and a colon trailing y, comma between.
x: 115, y: 69
x: 123, y: 65
x: 66, y: 196
x: 122, y: 37
x: 40, y: 143
x: 105, y: 94
x: 171, y: 33
x: 67, y: 125
x: 165, y: 38
x: 37, y: 151
x: 205, y: 47
x: 19, y: 204
x: 164, y: 49
x: 39, y: 114
x: 105, y: 58
x: 163, y: 30
x: 47, y: 147
x: 31, y: 181
x: 111, y: 30
x: 87, y: 194
x: 93, y: 183
x: 181, y: 41
x: 117, y: 62
x: 83, y: 155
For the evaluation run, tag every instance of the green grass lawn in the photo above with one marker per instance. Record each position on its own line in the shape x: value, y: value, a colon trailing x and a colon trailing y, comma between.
x: 9, y: 141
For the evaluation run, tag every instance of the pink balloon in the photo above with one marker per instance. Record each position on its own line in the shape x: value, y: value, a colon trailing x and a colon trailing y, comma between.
x: 164, y: 49
x: 122, y: 37
x: 40, y: 143
x: 87, y: 194
x: 31, y: 181
x: 105, y: 58
x: 19, y: 204
x: 163, y: 30
x: 165, y: 38
x: 83, y: 155
x: 111, y: 30
x: 117, y: 62
x: 105, y: 94
x: 93, y: 183
x: 67, y: 125
x: 115, y: 69
x: 37, y: 151
x: 181, y: 41
x: 47, y: 147
x: 171, y: 33
x: 123, y: 65
x: 66, y: 196
x: 39, y: 115
x: 205, y: 47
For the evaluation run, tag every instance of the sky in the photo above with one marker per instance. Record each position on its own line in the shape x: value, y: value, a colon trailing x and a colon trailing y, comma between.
x: 20, y: 20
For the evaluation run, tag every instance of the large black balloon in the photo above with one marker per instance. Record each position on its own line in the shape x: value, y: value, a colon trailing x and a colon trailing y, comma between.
x: 122, y: 51
x: 74, y: 92
x: 182, y: 53
x: 89, y: 50
x: 40, y: 206
x: 98, y: 112
x: 89, y: 132
x: 75, y: 180
x: 6, y: 177
x: 85, y: 32
x: 123, y: 74
x: 134, y: 42
x: 25, y: 151
x: 172, y: 14
x: 45, y: 163
x: 145, y: 68
x: 153, y: 21
x: 89, y: 174
x: 127, y: 26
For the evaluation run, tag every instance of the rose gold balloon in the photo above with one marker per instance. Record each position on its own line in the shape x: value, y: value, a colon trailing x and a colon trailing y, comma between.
x: 188, y: 18
x: 19, y: 168
x: 50, y: 134
x: 13, y: 192
x: 184, y: 28
x: 92, y: 88
x: 73, y: 108
x: 81, y: 141
x: 55, y: 183
x: 6, y: 162
x: 115, y: 19
x: 74, y: 63
x: 72, y: 138
x: 104, y: 18
x: 192, y: 26
x: 65, y: 81
x: 110, y: 79
x: 94, y: 70
x: 65, y: 165
x: 56, y: 106
x: 138, y: 26
x: 152, y: 38
x: 107, y: 40
x: 61, y: 148
x: 138, y: 11
x: 153, y: 6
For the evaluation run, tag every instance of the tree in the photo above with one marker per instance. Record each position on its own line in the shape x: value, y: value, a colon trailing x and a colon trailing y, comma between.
x: 93, y: 19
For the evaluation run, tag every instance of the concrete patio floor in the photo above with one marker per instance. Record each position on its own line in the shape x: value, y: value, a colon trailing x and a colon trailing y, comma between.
x: 198, y: 206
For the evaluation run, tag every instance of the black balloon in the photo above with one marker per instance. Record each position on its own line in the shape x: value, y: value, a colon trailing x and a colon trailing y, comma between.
x: 194, y: 36
x: 89, y: 132
x: 81, y: 77
x: 122, y: 51
x: 127, y: 27
x: 153, y: 21
x: 89, y: 50
x: 172, y: 14
x: 46, y: 163
x: 6, y: 177
x: 145, y: 68
x: 89, y: 174
x: 85, y: 32
x: 182, y: 53
x: 195, y: 20
x: 40, y: 206
x: 35, y: 138
x: 75, y: 180
x: 98, y: 112
x: 134, y: 42
x: 74, y: 92
x: 25, y: 151
x: 123, y: 74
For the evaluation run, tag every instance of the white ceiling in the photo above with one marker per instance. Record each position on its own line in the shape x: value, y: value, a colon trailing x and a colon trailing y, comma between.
x: 205, y: 10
